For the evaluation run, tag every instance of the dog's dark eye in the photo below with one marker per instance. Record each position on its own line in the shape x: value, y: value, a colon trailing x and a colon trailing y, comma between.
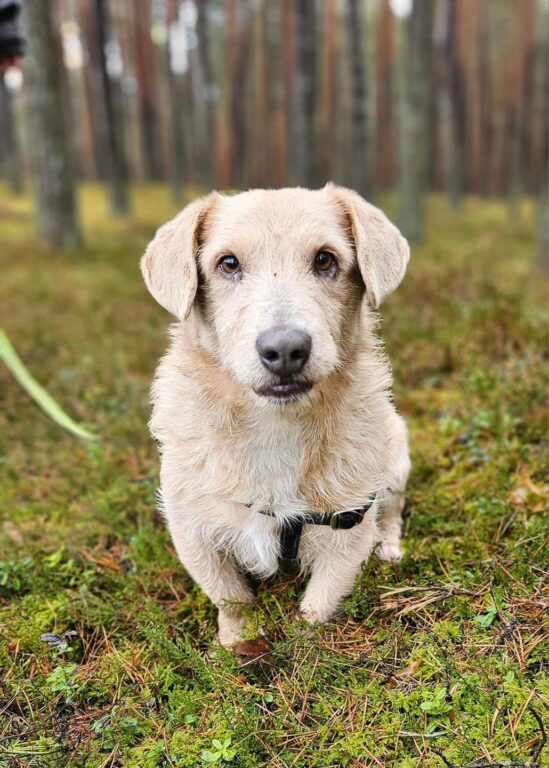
x: 229, y: 264
x: 325, y: 263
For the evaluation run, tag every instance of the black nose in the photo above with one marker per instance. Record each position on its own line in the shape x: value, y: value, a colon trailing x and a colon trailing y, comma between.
x: 284, y: 351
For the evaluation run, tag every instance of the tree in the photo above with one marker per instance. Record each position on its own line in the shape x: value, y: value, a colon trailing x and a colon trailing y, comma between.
x: 327, y: 90
x: 176, y: 90
x: 206, y: 91
x: 457, y: 108
x: 304, y: 92
x: 239, y: 44
x: 113, y: 112
x: 260, y: 129
x: 542, y: 51
x: 48, y: 136
x: 414, y: 116
x: 384, y: 61
x: 358, y: 97
x: 10, y: 157
x: 150, y: 137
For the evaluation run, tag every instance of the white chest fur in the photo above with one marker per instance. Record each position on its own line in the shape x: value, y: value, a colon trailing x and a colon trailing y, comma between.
x: 272, y: 462
x: 268, y: 464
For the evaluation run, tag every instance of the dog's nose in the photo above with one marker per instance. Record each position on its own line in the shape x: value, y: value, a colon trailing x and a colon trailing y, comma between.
x: 284, y: 351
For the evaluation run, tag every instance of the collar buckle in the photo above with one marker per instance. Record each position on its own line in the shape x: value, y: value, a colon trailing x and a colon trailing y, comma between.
x: 345, y: 520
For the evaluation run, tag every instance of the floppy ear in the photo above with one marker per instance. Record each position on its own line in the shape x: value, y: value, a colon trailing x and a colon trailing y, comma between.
x: 169, y: 265
x: 382, y: 252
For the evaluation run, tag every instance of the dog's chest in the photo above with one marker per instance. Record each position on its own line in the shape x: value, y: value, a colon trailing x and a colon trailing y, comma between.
x: 274, y: 456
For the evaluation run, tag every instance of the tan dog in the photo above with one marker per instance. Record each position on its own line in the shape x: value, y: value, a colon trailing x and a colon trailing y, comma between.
x: 274, y: 396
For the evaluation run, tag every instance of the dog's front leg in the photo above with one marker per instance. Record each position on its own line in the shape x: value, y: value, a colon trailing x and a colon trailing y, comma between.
x: 219, y: 577
x: 332, y: 578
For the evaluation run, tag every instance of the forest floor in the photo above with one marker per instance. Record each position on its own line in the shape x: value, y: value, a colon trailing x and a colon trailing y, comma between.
x: 436, y: 662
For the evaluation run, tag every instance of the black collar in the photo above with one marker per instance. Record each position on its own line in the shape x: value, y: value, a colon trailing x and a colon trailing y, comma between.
x: 290, y: 532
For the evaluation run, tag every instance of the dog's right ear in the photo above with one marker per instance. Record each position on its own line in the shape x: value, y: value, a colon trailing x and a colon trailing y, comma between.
x: 169, y: 265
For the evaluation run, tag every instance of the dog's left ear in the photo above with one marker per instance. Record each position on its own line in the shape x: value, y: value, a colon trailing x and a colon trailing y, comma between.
x: 169, y: 265
x: 382, y: 252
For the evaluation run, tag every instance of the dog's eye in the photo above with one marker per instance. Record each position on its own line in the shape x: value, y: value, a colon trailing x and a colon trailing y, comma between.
x: 229, y: 264
x: 325, y: 263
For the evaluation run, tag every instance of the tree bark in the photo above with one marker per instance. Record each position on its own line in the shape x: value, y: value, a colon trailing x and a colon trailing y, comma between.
x: 415, y: 100
x: 114, y: 119
x: 385, y: 151
x: 176, y: 90
x: 48, y: 136
x: 304, y: 93
x: 288, y: 78
x: 457, y: 110
x: 150, y: 139
x: 358, y: 97
x: 205, y: 95
x: 11, y: 158
x: 327, y: 91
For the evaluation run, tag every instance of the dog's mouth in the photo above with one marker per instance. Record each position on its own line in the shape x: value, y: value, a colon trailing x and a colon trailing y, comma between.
x: 286, y: 391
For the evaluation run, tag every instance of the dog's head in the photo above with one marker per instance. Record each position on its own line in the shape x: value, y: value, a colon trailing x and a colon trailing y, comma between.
x: 275, y: 280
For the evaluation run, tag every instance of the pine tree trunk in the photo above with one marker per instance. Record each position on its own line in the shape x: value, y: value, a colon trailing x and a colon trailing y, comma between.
x: 457, y: 110
x: 328, y: 97
x: 288, y: 77
x: 205, y: 95
x: 358, y: 97
x: 259, y: 148
x: 150, y: 139
x: 114, y: 119
x: 385, y: 47
x: 48, y: 136
x: 304, y: 93
x: 543, y: 213
x: 10, y: 158
x: 176, y: 90
x: 414, y: 117
x: 239, y: 96
x: 93, y: 84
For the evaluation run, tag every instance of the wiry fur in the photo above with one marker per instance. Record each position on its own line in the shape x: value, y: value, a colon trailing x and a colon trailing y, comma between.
x: 224, y: 447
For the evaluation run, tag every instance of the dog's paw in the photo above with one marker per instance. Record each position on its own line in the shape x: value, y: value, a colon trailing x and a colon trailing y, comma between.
x: 390, y: 551
x: 231, y: 629
x: 313, y: 615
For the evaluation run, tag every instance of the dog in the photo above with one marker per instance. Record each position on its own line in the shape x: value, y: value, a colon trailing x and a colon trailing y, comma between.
x: 272, y: 408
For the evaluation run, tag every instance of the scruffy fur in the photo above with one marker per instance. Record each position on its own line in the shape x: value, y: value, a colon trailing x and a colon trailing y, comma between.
x: 224, y: 447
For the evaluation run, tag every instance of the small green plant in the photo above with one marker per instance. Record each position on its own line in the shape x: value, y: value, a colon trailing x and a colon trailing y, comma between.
x: 485, y: 620
x: 437, y: 703
x: 63, y: 680
x: 221, y: 752
x: 494, y: 605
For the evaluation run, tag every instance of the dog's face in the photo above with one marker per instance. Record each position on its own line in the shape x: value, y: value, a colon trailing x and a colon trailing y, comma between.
x: 275, y: 279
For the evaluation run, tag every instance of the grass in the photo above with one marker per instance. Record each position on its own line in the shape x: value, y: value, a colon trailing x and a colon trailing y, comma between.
x: 107, y: 649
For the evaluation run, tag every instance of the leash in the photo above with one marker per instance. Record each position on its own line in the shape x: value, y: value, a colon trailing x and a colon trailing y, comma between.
x: 291, y: 530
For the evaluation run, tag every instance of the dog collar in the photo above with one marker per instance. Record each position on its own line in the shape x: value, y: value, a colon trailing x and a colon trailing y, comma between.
x: 290, y: 532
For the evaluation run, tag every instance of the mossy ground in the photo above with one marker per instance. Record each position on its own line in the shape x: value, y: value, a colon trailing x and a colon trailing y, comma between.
x: 438, y: 661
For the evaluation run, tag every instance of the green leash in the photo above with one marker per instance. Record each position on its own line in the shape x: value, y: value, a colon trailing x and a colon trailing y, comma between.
x: 37, y: 392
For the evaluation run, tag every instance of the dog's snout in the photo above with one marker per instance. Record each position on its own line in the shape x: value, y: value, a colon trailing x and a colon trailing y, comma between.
x: 284, y: 351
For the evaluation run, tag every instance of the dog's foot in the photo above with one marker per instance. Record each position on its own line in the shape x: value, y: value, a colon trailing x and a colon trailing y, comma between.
x: 314, y: 615
x: 231, y: 629
x: 390, y: 551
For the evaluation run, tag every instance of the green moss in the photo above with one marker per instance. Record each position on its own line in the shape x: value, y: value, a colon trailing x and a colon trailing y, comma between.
x: 440, y: 655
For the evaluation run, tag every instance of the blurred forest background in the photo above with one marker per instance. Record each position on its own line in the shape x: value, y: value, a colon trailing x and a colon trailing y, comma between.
x: 445, y: 95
